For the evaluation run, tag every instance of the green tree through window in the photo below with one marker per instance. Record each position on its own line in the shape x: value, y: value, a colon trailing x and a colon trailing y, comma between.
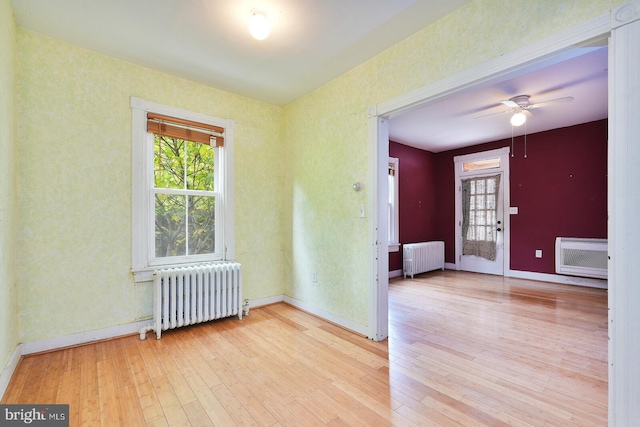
x: 185, y: 197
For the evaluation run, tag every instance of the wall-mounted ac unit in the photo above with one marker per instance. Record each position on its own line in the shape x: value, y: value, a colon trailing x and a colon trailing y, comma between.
x: 582, y: 257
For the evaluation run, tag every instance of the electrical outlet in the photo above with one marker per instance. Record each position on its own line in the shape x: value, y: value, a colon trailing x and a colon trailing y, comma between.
x: 538, y: 253
x: 314, y: 276
x: 361, y: 212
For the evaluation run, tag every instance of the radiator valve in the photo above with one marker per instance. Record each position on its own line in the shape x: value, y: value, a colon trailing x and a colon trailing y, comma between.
x: 245, y: 307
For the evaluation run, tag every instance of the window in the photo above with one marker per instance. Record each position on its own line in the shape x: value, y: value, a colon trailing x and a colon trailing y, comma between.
x: 393, y: 206
x: 482, y: 164
x: 182, y: 188
x: 479, y: 216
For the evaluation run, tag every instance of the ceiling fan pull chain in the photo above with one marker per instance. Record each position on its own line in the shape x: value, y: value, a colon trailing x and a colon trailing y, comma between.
x: 511, y: 140
x: 525, y: 140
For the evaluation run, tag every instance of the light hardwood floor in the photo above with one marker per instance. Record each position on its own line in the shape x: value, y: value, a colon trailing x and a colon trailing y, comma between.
x: 464, y: 349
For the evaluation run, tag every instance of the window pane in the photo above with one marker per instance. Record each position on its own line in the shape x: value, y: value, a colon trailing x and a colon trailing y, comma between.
x: 491, y: 201
x: 170, y: 225
x: 200, y: 166
x: 201, y: 225
x: 168, y: 159
x: 481, y: 164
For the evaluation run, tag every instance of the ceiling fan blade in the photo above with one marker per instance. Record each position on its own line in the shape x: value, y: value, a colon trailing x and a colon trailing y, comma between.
x: 552, y: 101
x: 492, y: 114
x: 509, y: 103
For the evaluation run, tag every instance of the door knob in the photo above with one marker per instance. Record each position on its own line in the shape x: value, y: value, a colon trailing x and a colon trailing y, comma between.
x: 498, y: 229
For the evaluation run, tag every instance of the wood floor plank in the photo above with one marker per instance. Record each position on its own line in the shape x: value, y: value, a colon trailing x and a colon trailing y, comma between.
x: 110, y: 413
x: 89, y: 412
x: 69, y: 393
x: 18, y: 381
x: 464, y: 349
x: 130, y: 410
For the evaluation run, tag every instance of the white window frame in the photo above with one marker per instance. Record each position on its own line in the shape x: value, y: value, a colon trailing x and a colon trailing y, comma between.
x: 394, y: 208
x: 143, y: 225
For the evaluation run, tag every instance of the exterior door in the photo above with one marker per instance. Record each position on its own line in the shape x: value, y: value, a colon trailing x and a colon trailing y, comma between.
x: 481, y: 204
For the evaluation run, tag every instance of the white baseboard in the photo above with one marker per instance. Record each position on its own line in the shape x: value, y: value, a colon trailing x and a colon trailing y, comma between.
x: 449, y: 266
x: 9, y: 369
x: 558, y: 278
x: 340, y: 321
x: 82, y: 337
x: 395, y: 273
x: 253, y: 303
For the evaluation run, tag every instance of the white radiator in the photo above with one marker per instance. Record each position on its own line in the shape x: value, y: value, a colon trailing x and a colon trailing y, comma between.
x: 421, y: 257
x: 581, y: 257
x: 193, y: 294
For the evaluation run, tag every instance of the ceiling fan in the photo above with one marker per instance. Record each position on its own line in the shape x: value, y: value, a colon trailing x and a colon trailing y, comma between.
x: 520, y: 103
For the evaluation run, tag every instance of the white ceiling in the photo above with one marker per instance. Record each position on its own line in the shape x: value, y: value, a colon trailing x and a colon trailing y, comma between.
x: 311, y: 43
x: 475, y: 116
x: 207, y: 41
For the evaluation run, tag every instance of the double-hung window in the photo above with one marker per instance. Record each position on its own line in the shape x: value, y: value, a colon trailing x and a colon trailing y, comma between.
x: 182, y: 188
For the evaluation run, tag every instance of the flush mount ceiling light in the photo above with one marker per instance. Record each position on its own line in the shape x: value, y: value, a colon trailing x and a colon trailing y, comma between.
x: 518, y: 119
x: 259, y: 25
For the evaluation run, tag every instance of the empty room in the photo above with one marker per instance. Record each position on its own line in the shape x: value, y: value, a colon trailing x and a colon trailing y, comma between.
x: 195, y: 226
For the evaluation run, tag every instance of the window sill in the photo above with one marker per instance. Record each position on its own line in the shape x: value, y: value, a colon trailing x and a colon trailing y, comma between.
x: 143, y: 275
x: 394, y: 247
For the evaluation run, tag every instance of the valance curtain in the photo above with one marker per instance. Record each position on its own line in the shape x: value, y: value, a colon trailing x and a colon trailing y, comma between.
x: 479, y: 216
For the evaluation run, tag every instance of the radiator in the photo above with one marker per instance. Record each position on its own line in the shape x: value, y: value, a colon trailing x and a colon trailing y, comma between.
x: 194, y: 294
x: 581, y: 257
x: 422, y: 257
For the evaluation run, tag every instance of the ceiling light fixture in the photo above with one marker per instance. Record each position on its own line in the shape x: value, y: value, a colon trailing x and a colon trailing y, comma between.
x: 518, y: 119
x: 259, y: 25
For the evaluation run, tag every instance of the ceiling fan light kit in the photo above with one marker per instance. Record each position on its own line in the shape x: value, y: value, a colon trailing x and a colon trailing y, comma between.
x: 518, y: 119
x: 518, y: 105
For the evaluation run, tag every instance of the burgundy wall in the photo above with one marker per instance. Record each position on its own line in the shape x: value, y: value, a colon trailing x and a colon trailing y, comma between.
x: 418, y: 199
x: 560, y: 189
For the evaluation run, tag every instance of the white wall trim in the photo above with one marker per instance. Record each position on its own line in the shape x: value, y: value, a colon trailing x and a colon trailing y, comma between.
x: 9, y: 369
x: 340, y: 321
x: 395, y: 273
x: 82, y: 337
x: 450, y: 266
x: 623, y: 204
x: 558, y: 278
x: 254, y: 303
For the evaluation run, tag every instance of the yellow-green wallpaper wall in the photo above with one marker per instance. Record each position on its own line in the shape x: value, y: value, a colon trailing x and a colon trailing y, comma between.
x: 9, y: 327
x: 326, y: 133
x: 74, y: 185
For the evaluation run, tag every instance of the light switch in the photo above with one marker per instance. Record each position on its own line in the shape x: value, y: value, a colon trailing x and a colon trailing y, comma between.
x: 513, y: 210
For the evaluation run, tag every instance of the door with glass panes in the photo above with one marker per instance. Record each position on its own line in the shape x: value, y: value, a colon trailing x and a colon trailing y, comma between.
x: 481, y: 203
